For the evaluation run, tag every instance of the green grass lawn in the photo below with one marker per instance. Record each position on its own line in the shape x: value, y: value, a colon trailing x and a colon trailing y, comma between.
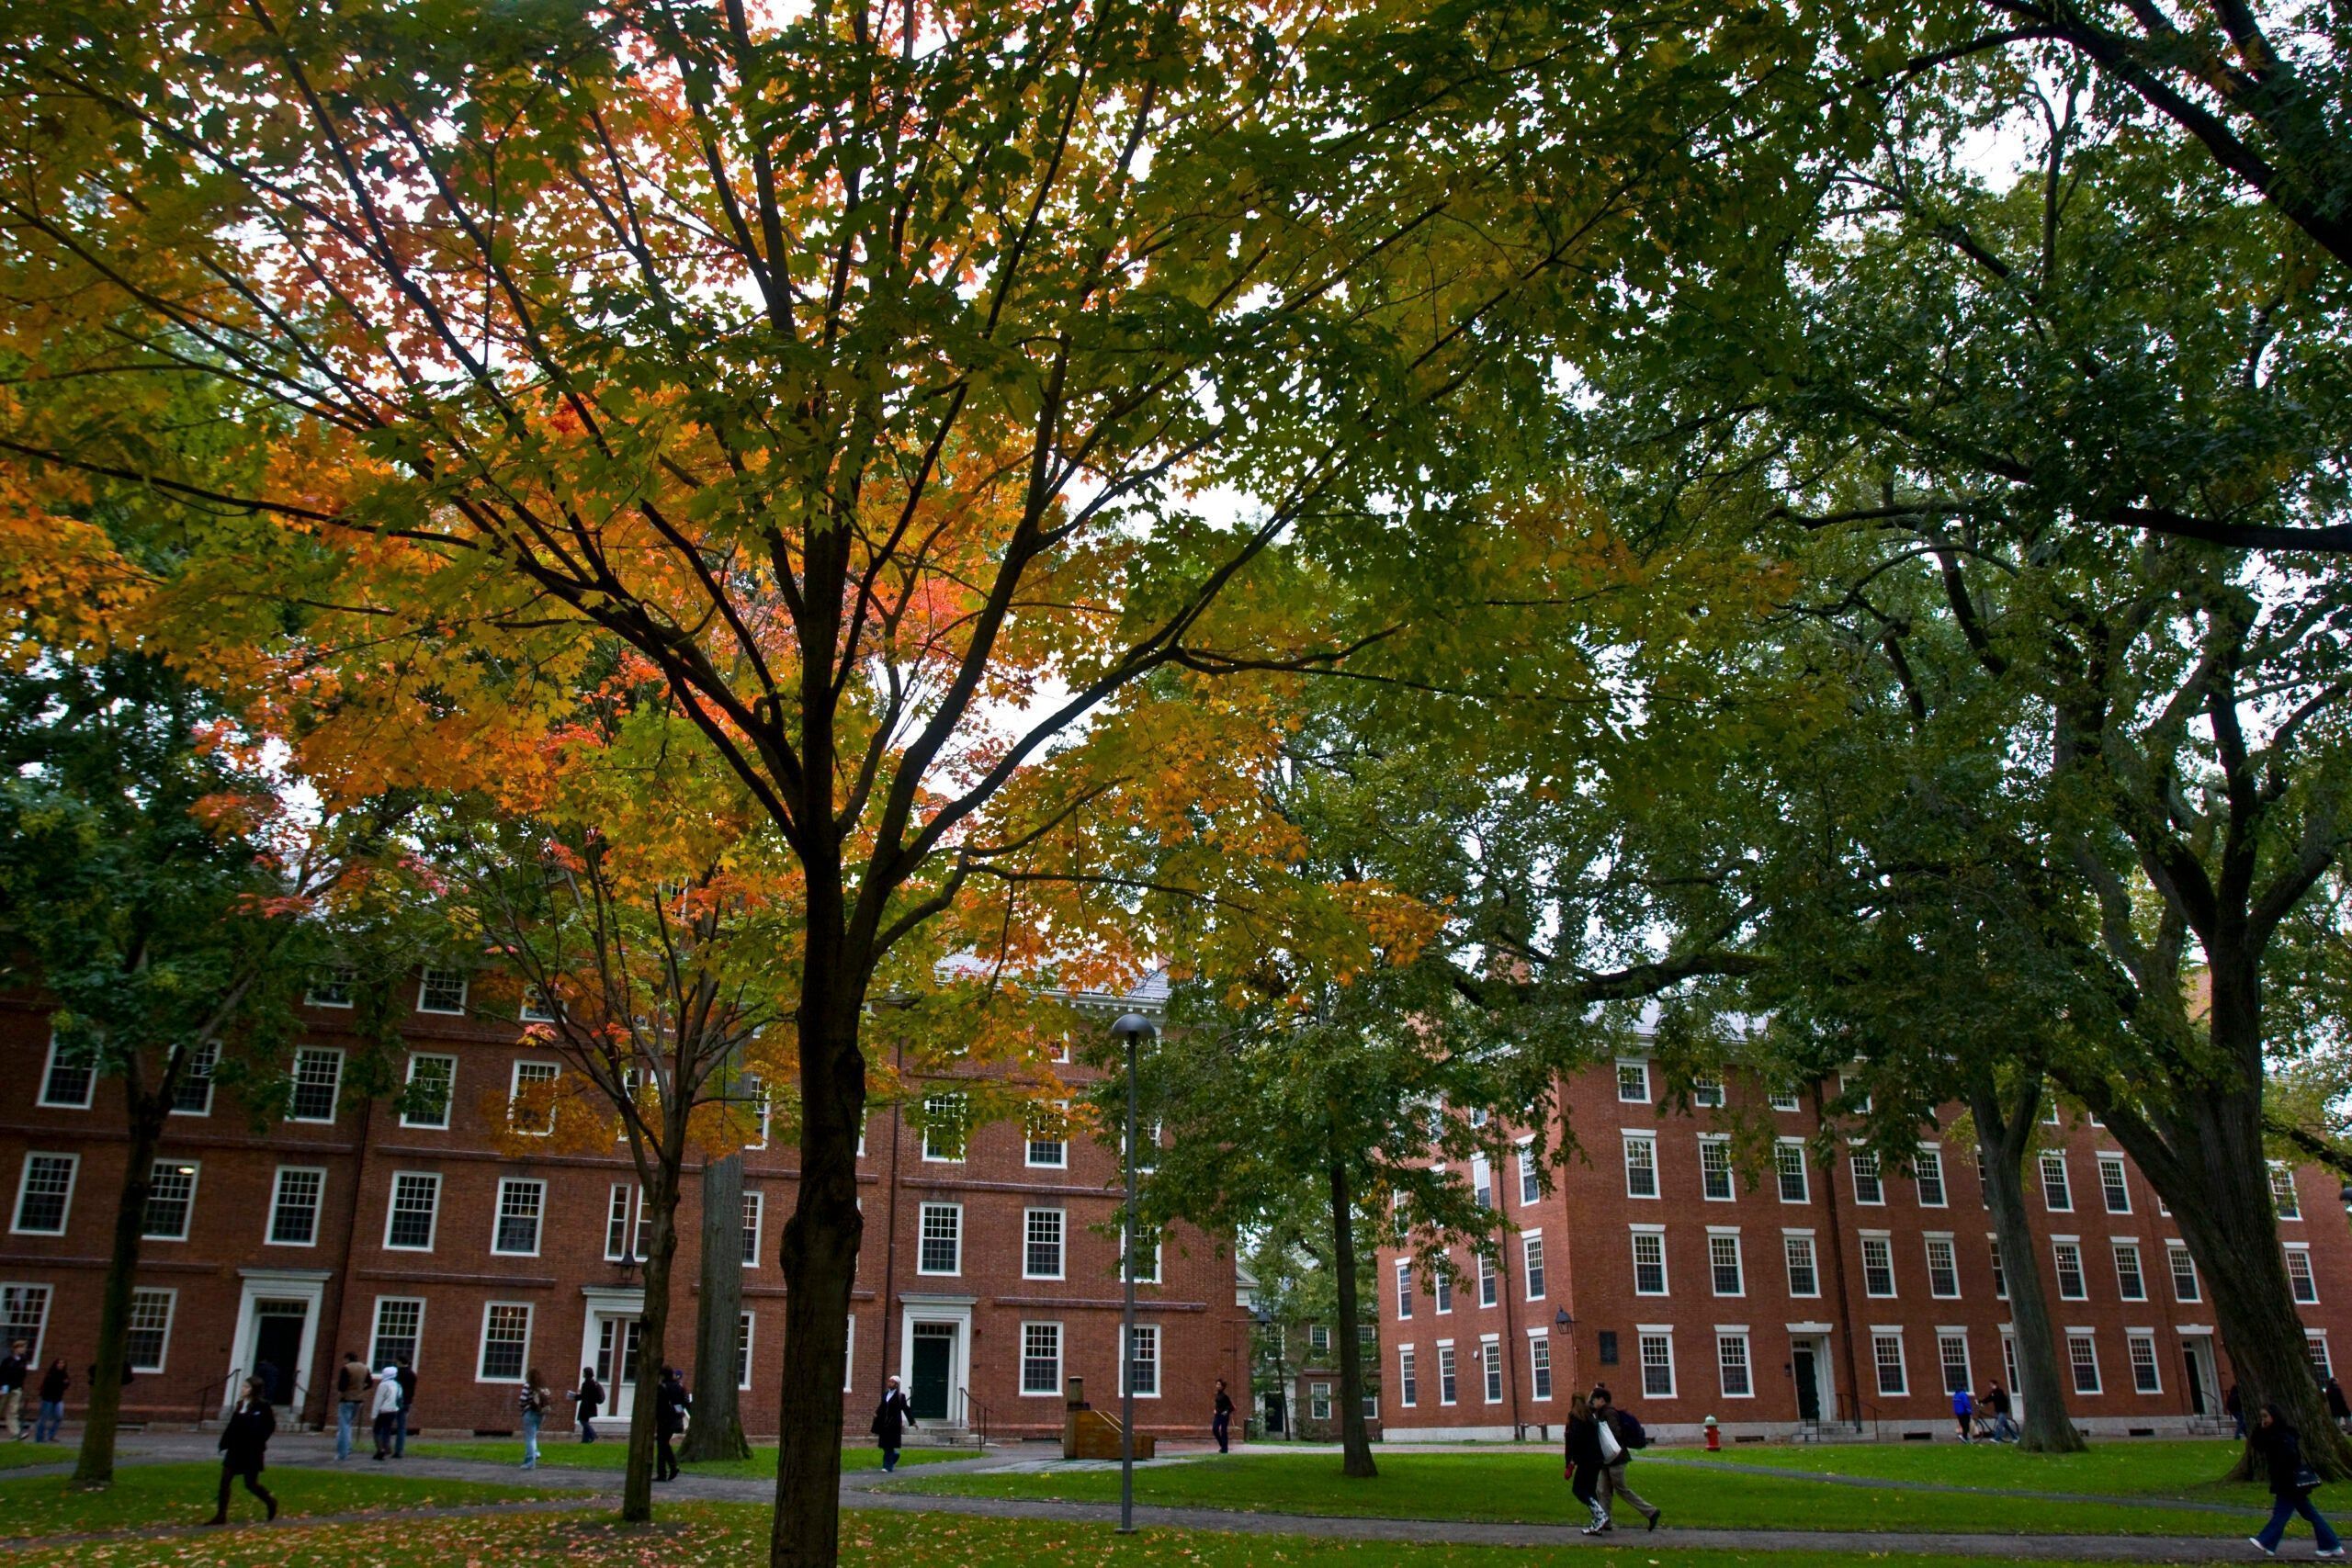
x: 2185, y: 1468
x: 17, y: 1456
x: 183, y: 1493
x: 709, y: 1535
x: 1526, y: 1488
x: 611, y: 1456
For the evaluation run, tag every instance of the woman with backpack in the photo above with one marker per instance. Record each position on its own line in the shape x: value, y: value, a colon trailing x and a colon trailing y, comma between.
x: 1584, y: 1458
x: 535, y: 1398
x: 2291, y: 1485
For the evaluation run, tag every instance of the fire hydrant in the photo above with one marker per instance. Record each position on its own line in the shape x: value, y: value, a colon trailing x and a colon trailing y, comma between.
x: 1714, y: 1438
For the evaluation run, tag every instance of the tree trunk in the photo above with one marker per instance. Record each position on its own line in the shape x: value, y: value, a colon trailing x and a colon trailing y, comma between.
x: 94, y: 1468
x: 2004, y: 1135
x: 1355, y: 1442
x: 652, y: 1341
x: 718, y: 1429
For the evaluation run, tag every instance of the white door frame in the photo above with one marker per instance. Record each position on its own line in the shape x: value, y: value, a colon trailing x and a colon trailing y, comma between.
x: 1816, y: 1337
x: 953, y: 1312
x: 609, y: 1301
x: 308, y: 1286
x: 2199, y: 1338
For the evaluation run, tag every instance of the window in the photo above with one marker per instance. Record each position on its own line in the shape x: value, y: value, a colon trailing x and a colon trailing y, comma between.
x: 1490, y: 1356
x: 1952, y: 1355
x: 2130, y: 1283
x: 1408, y: 1389
x: 745, y: 1323
x: 1041, y: 1255
x: 192, y: 1095
x: 45, y: 1193
x: 2051, y: 1117
x: 2298, y: 1275
x: 1723, y: 1263
x: 333, y: 987
x: 1867, y: 1188
x: 432, y: 1081
x: 1531, y: 1249
x: 1943, y: 1268
x: 2069, y: 1254
x: 941, y: 1248
x: 2282, y: 1191
x: 1859, y: 1096
x: 530, y: 1097
x: 71, y: 1079
x: 534, y: 1009
x: 754, y: 1210
x: 399, y: 1328
x: 442, y: 991
x: 1733, y: 1368
x: 317, y: 1079
x: 1489, y: 1290
x: 1878, y: 1266
x: 1530, y: 1176
x: 1707, y: 1089
x: 171, y: 1200
x: 1805, y: 1279
x: 1634, y: 1082
x: 1143, y: 1359
x: 1927, y: 1175
x: 1788, y: 1160
x: 2112, y: 1184
x: 2316, y: 1346
x: 1984, y: 1186
x: 2009, y: 1359
x: 23, y: 1313
x: 151, y: 1329
x: 1482, y: 1182
x: 2000, y: 1275
x: 618, y: 1238
x: 1649, y: 1263
x: 1318, y: 1339
x: 1641, y: 1164
x: 1318, y: 1401
x: 1404, y: 1290
x: 520, y: 1204
x: 1047, y: 1148
x: 1442, y: 1290
x: 1886, y: 1355
x: 1714, y: 1169
x: 2147, y: 1378
x: 1785, y: 1098
x: 2082, y: 1355
x: 1657, y: 1363
x: 294, y: 1207
x: 416, y: 1203
x: 2057, y: 1195
x: 943, y: 1127
x: 506, y: 1336
x: 2184, y: 1273
x: 1448, y: 1388
x: 1041, y: 1358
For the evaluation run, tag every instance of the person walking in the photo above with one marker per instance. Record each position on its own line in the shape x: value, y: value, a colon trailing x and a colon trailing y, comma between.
x: 351, y: 1385
x: 537, y: 1397
x: 1963, y: 1412
x: 1221, y: 1417
x: 53, y: 1384
x: 2337, y: 1407
x: 15, y: 1369
x: 1997, y: 1400
x: 1584, y: 1456
x: 244, y: 1442
x: 2291, y: 1485
x: 406, y: 1376
x: 1620, y: 1437
x: 589, y: 1398
x: 384, y: 1409
x: 890, y: 1419
x: 670, y: 1407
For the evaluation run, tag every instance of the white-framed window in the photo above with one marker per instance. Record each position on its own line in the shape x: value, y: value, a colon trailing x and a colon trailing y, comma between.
x: 849, y: 1354
x: 1788, y: 1163
x: 1489, y: 1286
x: 1409, y: 1388
x: 2000, y: 1273
x: 400, y: 1331
x: 1442, y: 1290
x: 1539, y: 1364
x: 1714, y: 1168
x: 1634, y: 1082
x: 505, y: 1341
x: 2282, y: 1190
x: 754, y: 1211
x: 442, y: 991
x: 1530, y: 1252
x: 746, y: 1324
x: 1490, y: 1359
x: 1649, y: 1261
x: 1804, y: 1272
x: 170, y: 1200
x: 1143, y: 1360
x: 23, y: 1314
x: 294, y: 1203
x: 69, y: 1080
x: 333, y: 987
x: 1477, y: 1116
x: 431, y: 1085
x: 192, y: 1095
x: 1482, y: 1182
x: 2009, y: 1359
x: 2300, y: 1282
x: 1878, y: 1265
x: 1041, y: 1360
x: 411, y: 1216
x: 1047, y: 1146
x: 45, y: 1193
x: 317, y: 1084
x: 1319, y: 1340
x: 1530, y: 1175
x: 534, y: 1008
x: 2113, y: 1184
x: 1723, y: 1263
x: 946, y: 1127
x: 521, y: 1203
x: 1448, y: 1386
x: 1041, y: 1252
x: 1784, y: 1099
x: 1952, y: 1357
x: 1848, y: 1088
x: 1927, y: 1175
x: 150, y: 1337
x: 623, y: 1239
x: 1707, y: 1090
x: 1886, y: 1356
x: 1735, y: 1369
x: 2057, y: 1192
x: 2051, y: 1117
x: 1869, y: 1185
x: 1147, y: 1263
x: 2131, y: 1284
x: 2185, y: 1287
x: 1656, y: 1351
x: 531, y: 1087
x: 2316, y: 1346
x: 940, y: 1247
x: 2140, y: 1346
x: 2068, y: 1254
x: 1404, y: 1290
x: 1943, y: 1268
x: 2082, y: 1355
x: 1641, y: 1164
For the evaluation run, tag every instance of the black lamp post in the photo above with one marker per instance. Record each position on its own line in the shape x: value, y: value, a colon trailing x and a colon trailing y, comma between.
x: 1132, y: 1029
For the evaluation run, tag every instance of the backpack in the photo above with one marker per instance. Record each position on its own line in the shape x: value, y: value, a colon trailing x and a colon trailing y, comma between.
x: 1629, y: 1431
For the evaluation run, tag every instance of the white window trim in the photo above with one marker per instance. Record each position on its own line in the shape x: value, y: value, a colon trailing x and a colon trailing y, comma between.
x: 376, y: 1327
x: 957, y: 1272
x: 1878, y: 1176
x: 2144, y: 1336
x: 1665, y: 1274
x: 1158, y: 1360
x: 1738, y: 1258
x: 1863, y: 1245
x: 391, y: 1210
x: 1540, y: 1335
x: 497, y: 1215
x: 277, y: 1192
x: 2098, y: 1374
x: 24, y: 1187
x: 188, y: 1223
x: 747, y: 1345
x: 2115, y: 1245
x: 1642, y: 1369
x: 1902, y: 1360
x: 1927, y: 1240
x: 514, y: 1093
x: 448, y: 1106
x: 1804, y: 1171
x: 171, y: 1316
x: 2289, y: 1250
x: 1029, y: 1144
x: 1444, y: 1354
x: 924, y: 1139
x: 1525, y: 1278
x: 49, y: 1067
x: 1626, y: 1139
x: 1944, y: 1185
x: 2065, y: 1180
x: 1967, y: 1356
x: 758, y: 1199
x: 1406, y: 1358
x: 1731, y: 1175
x: 465, y: 989
x: 481, y: 1345
x: 1641, y: 1063
x: 294, y: 1085
x: 1062, y: 1244
x: 1739, y: 1332
x: 2107, y: 1162
x: 311, y: 992
x: 212, y: 1068
x: 1814, y: 1248
x: 2082, y: 1270
x: 1529, y: 1173
x: 1021, y: 1349
x: 1491, y: 1368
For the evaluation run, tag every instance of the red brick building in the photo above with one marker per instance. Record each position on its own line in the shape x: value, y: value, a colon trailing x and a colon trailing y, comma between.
x: 344, y: 1225
x: 1833, y: 1298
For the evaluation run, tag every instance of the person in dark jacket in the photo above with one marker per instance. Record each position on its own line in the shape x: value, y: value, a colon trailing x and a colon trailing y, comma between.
x: 16, y: 1370
x: 53, y: 1384
x: 1620, y: 1437
x: 1584, y: 1460
x: 670, y: 1407
x: 2281, y: 1447
x: 407, y: 1380
x: 589, y: 1397
x: 890, y: 1420
x: 1221, y: 1417
x: 1997, y: 1400
x: 244, y: 1442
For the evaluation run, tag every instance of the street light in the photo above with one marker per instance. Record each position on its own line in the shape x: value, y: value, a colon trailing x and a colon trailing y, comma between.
x: 1132, y: 1029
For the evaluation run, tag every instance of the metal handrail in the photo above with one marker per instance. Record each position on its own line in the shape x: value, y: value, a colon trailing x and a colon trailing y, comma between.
x: 976, y: 1415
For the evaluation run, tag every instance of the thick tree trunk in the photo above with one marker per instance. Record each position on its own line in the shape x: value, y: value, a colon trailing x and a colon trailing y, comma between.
x: 1355, y: 1441
x: 652, y: 1345
x: 94, y: 1466
x: 717, y: 1432
x: 2005, y: 1133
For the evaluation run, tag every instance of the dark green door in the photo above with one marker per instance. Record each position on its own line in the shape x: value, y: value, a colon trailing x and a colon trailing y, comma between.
x: 934, y: 1355
x: 1808, y: 1384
